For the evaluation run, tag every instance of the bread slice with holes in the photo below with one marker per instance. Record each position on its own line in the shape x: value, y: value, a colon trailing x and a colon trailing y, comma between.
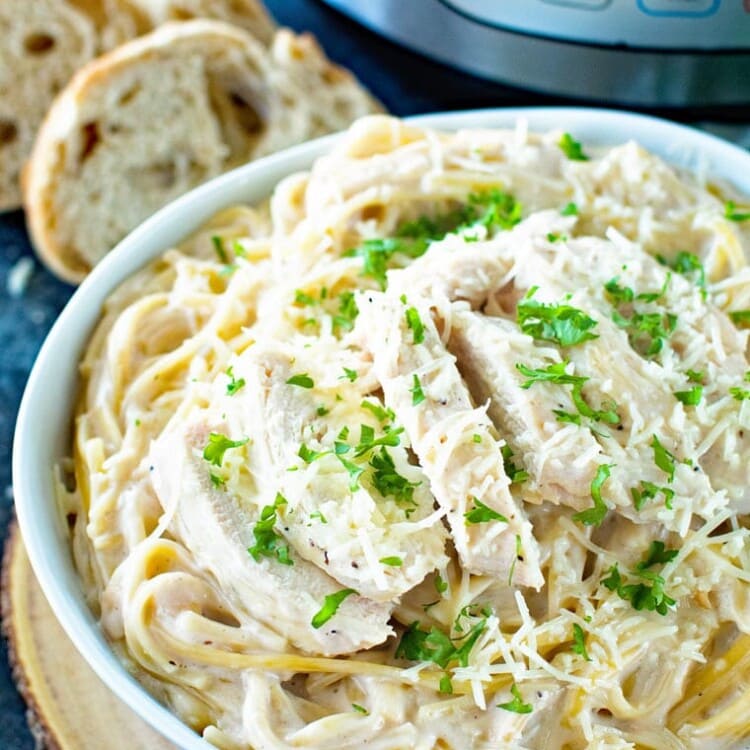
x: 250, y: 15
x: 44, y: 42
x: 161, y: 114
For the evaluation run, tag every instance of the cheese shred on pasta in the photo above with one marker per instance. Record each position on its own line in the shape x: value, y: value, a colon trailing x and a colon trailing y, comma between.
x: 444, y: 447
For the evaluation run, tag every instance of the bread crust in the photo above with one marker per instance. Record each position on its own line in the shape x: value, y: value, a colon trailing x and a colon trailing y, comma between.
x: 294, y: 68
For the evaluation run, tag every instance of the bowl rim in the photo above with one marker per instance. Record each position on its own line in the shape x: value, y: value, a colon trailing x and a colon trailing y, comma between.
x: 36, y: 509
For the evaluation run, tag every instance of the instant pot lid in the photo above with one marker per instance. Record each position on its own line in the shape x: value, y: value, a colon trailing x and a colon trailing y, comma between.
x: 636, y: 52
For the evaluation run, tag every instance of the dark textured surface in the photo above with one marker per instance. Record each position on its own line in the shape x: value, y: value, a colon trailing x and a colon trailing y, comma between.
x: 405, y: 83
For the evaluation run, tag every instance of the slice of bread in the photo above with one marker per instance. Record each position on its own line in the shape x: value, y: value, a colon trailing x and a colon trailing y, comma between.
x: 161, y: 114
x: 43, y: 42
x: 250, y: 15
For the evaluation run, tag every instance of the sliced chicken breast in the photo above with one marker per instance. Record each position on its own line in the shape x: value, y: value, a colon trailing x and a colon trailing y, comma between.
x: 218, y: 528
x: 454, y: 441
x: 363, y: 514
x: 561, y: 459
x: 619, y: 372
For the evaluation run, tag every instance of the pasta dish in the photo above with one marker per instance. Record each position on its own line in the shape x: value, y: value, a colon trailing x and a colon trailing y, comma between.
x: 445, y: 446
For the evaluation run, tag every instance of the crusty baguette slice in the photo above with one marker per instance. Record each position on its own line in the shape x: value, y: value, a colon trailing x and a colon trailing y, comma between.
x: 43, y: 42
x: 163, y: 113
x: 250, y: 15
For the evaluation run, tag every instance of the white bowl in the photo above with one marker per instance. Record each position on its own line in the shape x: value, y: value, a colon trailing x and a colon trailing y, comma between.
x: 43, y: 428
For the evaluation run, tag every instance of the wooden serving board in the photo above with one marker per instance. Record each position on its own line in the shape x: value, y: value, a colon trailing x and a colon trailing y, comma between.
x: 70, y: 708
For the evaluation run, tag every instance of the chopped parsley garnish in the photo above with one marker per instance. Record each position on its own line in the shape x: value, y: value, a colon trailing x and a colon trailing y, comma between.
x: 740, y: 318
x: 321, y: 411
x: 445, y: 685
x: 415, y: 323
x: 234, y: 384
x: 665, y: 460
x: 349, y: 374
x: 492, y: 209
x: 595, y: 515
x: 303, y: 380
x: 435, y: 646
x: 360, y: 709
x: 302, y: 298
x: 691, y: 397
x: 344, y: 317
x: 218, y: 445
x: 267, y: 542
x: 473, y: 610
x: 513, y: 473
x: 658, y: 294
x: 648, y: 491
x: 417, y: 394
x: 554, y: 237
x: 695, y: 376
x: 569, y: 209
x: 476, y: 438
x: 641, y: 595
x: 308, y: 455
x: 331, y: 604
x: 393, y: 561
x: 368, y: 441
x: 436, y: 227
x: 688, y: 264
x: 649, y: 595
x: 340, y: 448
x: 480, y: 513
x: 619, y: 295
x: 441, y: 586
x: 559, y: 323
x: 731, y: 212
x: 566, y: 416
x: 516, y: 705
x: 380, y: 413
x: 389, y: 483
x: 741, y: 394
x: 571, y: 148
x: 648, y: 331
x: 347, y: 312
x: 377, y: 253
x: 657, y: 554
x: 218, y: 244
x: 317, y: 514
x: 579, y: 642
x: 353, y: 470
x: 216, y: 480
x: 556, y: 373
x: 497, y: 210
